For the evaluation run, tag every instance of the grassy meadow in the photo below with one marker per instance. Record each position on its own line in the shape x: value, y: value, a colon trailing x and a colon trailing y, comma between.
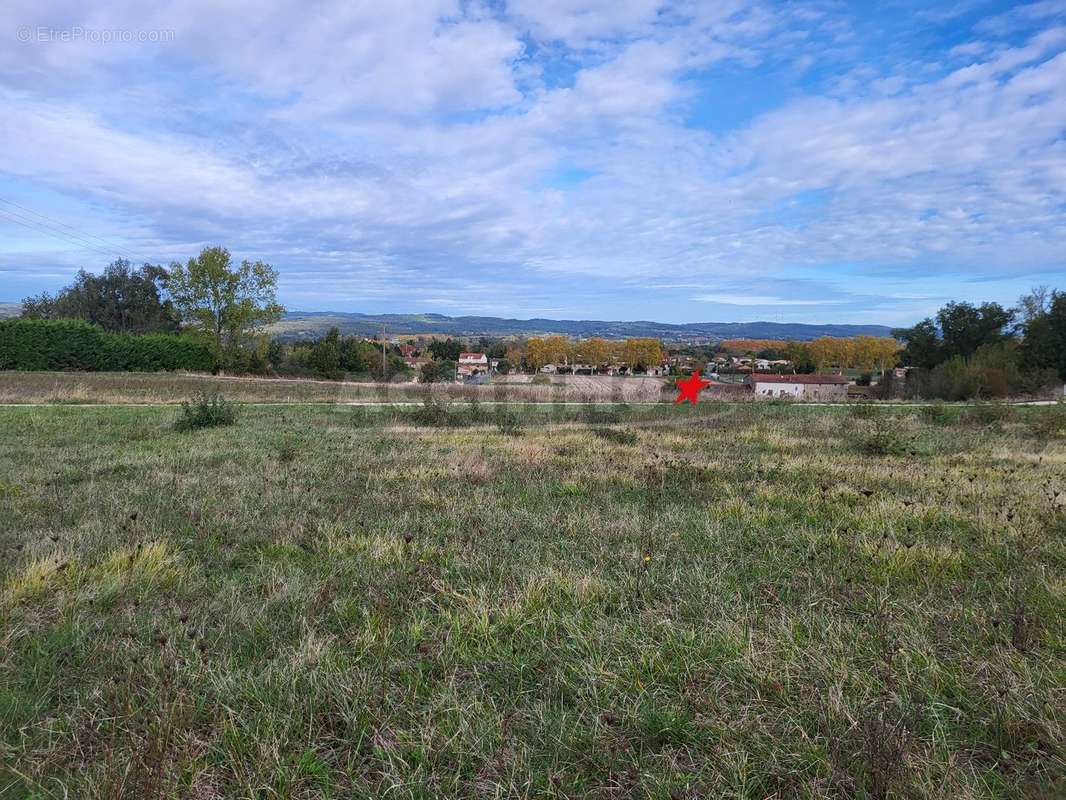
x: 734, y: 601
x: 77, y: 388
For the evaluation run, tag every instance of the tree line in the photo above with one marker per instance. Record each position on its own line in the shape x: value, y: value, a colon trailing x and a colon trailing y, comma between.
x: 986, y: 350
x: 209, y: 297
x: 639, y: 352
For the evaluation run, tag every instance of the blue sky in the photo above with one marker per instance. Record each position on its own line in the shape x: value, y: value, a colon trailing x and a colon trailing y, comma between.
x: 820, y: 161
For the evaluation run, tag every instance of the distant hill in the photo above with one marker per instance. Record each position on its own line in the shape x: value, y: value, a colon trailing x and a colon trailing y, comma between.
x: 10, y: 309
x: 310, y: 324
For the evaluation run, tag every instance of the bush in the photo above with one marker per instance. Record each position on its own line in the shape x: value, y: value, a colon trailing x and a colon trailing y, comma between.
x: 38, y: 344
x: 206, y: 410
x: 938, y: 414
x: 883, y: 440
x: 437, y: 372
x: 433, y: 413
x: 509, y: 423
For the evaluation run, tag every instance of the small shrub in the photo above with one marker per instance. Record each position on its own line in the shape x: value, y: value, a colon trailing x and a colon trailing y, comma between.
x: 883, y: 440
x: 433, y: 413
x: 288, y: 449
x: 206, y: 410
x: 473, y: 411
x: 509, y: 423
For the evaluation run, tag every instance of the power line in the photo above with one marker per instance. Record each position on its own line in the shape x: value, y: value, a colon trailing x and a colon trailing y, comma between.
x: 69, y: 238
x: 54, y: 222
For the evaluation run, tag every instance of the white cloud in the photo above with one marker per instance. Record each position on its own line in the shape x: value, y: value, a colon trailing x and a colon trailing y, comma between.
x: 417, y: 147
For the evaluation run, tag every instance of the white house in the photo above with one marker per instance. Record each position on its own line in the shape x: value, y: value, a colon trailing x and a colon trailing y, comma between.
x: 472, y: 364
x: 799, y: 387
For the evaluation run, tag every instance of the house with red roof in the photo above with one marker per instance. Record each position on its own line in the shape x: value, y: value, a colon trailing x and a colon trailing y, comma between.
x: 470, y: 364
x: 829, y: 388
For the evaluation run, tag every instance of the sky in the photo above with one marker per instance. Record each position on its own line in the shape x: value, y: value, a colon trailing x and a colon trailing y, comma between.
x: 823, y: 161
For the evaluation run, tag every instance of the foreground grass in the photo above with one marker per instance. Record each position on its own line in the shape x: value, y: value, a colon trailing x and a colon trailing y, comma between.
x: 744, y: 601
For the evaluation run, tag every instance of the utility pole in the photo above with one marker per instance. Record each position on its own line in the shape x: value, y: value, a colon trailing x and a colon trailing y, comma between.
x: 384, y: 342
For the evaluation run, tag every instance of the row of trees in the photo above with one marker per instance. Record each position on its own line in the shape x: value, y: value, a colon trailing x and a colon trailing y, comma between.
x: 987, y: 350
x: 639, y: 353
x: 855, y: 352
x: 209, y: 296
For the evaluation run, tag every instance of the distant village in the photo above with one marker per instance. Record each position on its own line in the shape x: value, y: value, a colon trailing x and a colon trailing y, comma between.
x: 827, y: 369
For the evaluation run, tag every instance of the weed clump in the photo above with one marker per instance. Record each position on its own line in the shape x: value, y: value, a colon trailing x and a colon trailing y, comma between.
x: 433, y: 413
x: 509, y: 423
x: 288, y: 449
x: 883, y: 440
x: 616, y: 435
x: 206, y: 410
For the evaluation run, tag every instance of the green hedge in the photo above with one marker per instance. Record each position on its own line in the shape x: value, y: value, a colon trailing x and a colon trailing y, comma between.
x: 38, y: 344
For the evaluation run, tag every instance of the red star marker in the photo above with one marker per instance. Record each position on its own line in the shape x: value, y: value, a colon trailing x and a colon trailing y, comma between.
x: 690, y: 389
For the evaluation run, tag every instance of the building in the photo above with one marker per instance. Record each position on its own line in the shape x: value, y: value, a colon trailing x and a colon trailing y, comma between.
x: 472, y: 364
x: 799, y: 387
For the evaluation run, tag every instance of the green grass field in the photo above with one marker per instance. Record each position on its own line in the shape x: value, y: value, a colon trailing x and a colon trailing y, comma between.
x: 741, y: 601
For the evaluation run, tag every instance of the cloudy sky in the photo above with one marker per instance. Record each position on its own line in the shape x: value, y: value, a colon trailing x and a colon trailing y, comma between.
x: 823, y: 161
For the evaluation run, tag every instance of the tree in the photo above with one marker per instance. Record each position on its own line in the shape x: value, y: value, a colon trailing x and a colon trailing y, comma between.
x: 594, y: 351
x: 446, y: 349
x: 642, y: 353
x: 225, y: 303
x: 1035, y: 305
x: 921, y: 345
x: 437, y: 372
x: 964, y: 327
x: 355, y: 354
x: 120, y: 299
x: 1044, y: 343
x: 325, y: 356
x: 549, y: 350
x: 799, y: 354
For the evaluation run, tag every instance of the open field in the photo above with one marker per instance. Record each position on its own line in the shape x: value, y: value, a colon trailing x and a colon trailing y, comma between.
x: 738, y: 601
x: 170, y: 387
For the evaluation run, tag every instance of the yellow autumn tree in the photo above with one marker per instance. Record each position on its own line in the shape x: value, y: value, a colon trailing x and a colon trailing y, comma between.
x: 643, y: 352
x: 594, y: 351
x: 549, y: 350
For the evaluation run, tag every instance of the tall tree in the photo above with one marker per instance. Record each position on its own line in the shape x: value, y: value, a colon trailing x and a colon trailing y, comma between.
x: 921, y: 344
x: 119, y: 299
x: 965, y: 327
x: 1034, y: 305
x: 226, y: 303
x: 1044, y: 344
x: 446, y: 349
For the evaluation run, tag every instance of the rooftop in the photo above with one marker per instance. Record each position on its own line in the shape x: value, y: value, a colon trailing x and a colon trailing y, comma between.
x: 760, y: 377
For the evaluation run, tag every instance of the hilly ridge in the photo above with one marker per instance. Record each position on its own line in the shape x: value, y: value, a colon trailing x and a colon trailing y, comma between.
x: 309, y: 324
